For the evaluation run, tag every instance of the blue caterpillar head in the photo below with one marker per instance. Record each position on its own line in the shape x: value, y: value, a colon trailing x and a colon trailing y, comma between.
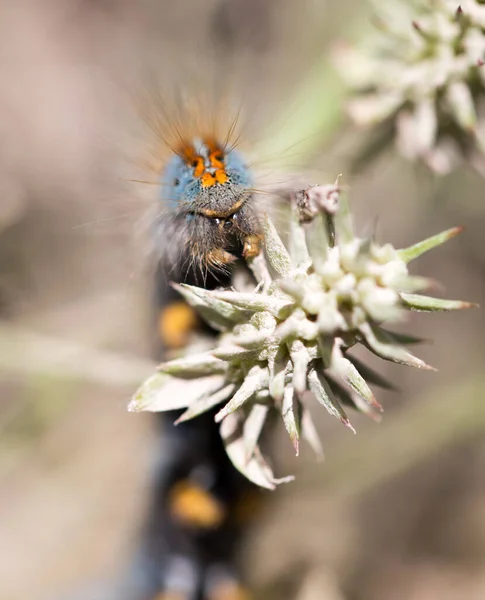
x: 203, y: 178
x: 208, y: 192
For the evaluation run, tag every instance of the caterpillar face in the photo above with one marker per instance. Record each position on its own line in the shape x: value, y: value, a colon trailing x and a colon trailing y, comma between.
x: 208, y: 192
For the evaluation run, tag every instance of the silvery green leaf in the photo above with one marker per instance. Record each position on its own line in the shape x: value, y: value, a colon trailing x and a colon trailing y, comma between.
x: 292, y: 416
x: 278, y: 307
x: 353, y: 400
x: 278, y: 366
x: 389, y: 351
x: 256, y: 379
x: 416, y: 250
x: 297, y: 328
x: 277, y: 254
x: 309, y: 432
x: 194, y: 365
x: 161, y: 392
x: 254, y: 343
x: 206, y: 402
x: 412, y: 283
x: 200, y: 297
x: 228, y: 353
x: 259, y: 269
x: 428, y: 304
x: 318, y: 240
x: 344, y: 227
x: 297, y: 244
x: 462, y: 106
x: 372, y: 376
x: 252, y: 428
x: 321, y: 390
x: 300, y: 358
x: 347, y: 371
x: 256, y: 469
x: 293, y: 288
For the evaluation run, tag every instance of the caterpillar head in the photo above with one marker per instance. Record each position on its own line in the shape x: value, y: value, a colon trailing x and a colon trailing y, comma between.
x: 212, y: 219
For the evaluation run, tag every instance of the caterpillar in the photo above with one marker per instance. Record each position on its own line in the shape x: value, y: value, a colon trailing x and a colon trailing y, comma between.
x: 206, y: 224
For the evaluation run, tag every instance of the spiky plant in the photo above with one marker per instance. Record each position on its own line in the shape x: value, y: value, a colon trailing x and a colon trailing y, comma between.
x: 421, y: 76
x: 290, y: 335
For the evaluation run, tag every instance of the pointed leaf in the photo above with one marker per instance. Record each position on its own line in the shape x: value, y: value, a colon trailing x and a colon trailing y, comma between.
x: 420, y: 303
x: 300, y: 358
x: 344, y: 228
x: 341, y: 366
x: 350, y: 398
x: 252, y: 428
x: 256, y: 469
x: 323, y: 393
x: 297, y: 243
x: 291, y: 417
x: 391, y: 352
x: 278, y: 307
x: 318, y: 241
x: 213, y: 310
x: 277, y: 373
x: 161, y: 392
x: 277, y: 254
x: 256, y: 379
x: 194, y: 365
x: 228, y: 353
x: 206, y: 402
x: 372, y: 376
x: 416, y: 250
x: 259, y: 269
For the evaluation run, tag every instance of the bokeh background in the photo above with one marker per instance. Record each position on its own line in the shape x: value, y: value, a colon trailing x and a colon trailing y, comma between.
x: 396, y: 512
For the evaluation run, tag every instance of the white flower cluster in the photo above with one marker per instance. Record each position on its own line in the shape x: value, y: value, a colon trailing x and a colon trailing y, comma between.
x: 290, y: 335
x: 423, y: 70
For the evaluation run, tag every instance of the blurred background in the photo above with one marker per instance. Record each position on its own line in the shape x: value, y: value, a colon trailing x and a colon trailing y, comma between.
x: 396, y: 512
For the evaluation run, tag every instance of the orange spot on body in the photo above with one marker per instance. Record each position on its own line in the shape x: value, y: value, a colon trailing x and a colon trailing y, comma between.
x: 229, y: 590
x: 175, y: 324
x: 194, y: 506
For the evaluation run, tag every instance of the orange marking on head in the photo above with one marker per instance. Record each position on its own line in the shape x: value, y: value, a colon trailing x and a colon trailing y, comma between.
x: 194, y: 506
x: 216, y: 158
x: 198, y: 165
x: 175, y: 324
x: 221, y: 176
x: 208, y: 180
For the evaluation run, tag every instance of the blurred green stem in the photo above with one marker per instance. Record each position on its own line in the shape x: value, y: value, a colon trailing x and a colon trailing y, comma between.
x: 26, y: 352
